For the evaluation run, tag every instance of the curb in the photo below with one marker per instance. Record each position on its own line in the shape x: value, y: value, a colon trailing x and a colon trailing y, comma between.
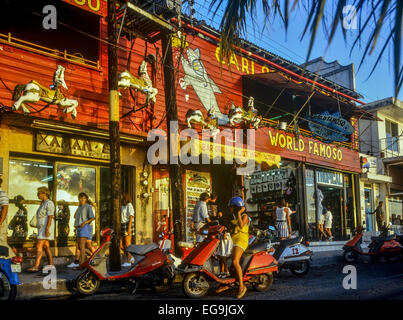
x: 65, y: 287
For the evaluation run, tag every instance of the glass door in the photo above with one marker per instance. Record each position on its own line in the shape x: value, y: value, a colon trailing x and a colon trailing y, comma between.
x: 368, y: 208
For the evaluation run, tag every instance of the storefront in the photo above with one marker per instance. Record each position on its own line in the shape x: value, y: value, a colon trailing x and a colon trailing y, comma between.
x: 67, y: 164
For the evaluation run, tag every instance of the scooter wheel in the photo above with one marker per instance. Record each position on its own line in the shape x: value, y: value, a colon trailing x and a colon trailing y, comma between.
x: 87, y: 283
x: 350, y: 256
x: 7, y: 291
x: 195, y: 285
x: 302, y: 270
x: 264, y: 282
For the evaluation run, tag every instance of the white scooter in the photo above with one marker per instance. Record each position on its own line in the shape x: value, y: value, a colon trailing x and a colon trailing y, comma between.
x: 290, y: 254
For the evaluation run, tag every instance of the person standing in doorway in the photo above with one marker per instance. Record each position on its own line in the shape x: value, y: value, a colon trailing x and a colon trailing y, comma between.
x: 45, y: 225
x: 283, y: 221
x: 379, y: 215
x: 127, y: 228
x: 328, y: 222
x: 200, y: 215
x: 83, y: 218
x: 3, y: 221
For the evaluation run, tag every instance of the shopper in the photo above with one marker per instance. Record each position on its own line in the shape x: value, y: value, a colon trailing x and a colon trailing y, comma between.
x: 379, y: 215
x: 200, y: 215
x: 328, y: 222
x: 82, y: 222
x: 127, y: 227
x: 3, y: 221
x: 88, y: 247
x: 45, y: 226
x: 283, y: 221
x: 212, y: 207
x: 240, y: 238
x: 321, y: 222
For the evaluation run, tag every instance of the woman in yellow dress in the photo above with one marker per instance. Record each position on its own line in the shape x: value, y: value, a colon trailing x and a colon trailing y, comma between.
x: 240, y: 238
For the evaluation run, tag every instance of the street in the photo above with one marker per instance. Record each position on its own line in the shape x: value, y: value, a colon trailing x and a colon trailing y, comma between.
x: 382, y: 281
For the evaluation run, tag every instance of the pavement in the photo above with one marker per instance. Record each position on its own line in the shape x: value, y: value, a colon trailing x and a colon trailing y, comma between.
x: 37, y: 285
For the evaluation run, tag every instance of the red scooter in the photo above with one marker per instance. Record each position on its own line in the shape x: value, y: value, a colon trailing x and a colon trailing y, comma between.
x: 383, y: 246
x: 151, y: 268
x: 199, y: 270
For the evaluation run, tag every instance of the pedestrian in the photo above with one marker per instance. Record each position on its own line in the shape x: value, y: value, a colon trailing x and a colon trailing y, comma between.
x: 379, y: 215
x: 82, y: 222
x: 224, y: 249
x: 328, y: 222
x: 3, y: 223
x: 212, y: 207
x: 283, y: 221
x: 321, y: 222
x: 240, y: 238
x: 200, y: 215
x: 45, y: 225
x: 127, y: 227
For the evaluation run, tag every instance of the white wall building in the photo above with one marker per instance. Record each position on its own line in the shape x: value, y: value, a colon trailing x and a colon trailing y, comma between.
x: 382, y: 142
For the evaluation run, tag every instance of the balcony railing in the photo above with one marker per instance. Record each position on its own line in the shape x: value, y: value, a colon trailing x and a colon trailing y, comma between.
x: 26, y: 45
x: 391, y: 146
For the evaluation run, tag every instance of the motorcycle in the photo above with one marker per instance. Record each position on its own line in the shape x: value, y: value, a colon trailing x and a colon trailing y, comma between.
x: 291, y: 254
x: 151, y: 268
x: 383, y: 246
x: 9, y: 269
x: 199, y: 270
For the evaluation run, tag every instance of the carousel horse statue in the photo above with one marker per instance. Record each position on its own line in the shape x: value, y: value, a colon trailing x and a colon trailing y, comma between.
x: 249, y: 115
x: 196, y: 116
x: 143, y: 83
x: 33, y: 91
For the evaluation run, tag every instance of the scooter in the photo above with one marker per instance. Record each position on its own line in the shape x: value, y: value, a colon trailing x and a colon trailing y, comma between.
x: 151, y: 268
x: 9, y: 269
x: 292, y: 254
x: 383, y: 246
x: 199, y: 270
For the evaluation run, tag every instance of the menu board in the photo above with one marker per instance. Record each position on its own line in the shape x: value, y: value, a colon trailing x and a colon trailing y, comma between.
x: 196, y: 183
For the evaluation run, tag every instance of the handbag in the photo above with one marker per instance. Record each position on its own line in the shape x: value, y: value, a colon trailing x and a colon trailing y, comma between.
x: 33, y: 222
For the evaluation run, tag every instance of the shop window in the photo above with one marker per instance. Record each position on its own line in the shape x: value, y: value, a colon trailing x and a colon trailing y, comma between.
x: 25, y: 177
x: 311, y: 204
x: 396, y: 211
x: 72, y: 180
x: 77, y: 30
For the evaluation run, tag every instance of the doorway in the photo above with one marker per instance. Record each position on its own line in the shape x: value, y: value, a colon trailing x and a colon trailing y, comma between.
x: 368, y: 208
x: 333, y: 201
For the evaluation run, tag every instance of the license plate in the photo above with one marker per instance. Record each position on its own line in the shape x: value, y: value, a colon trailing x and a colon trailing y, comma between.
x: 15, y: 268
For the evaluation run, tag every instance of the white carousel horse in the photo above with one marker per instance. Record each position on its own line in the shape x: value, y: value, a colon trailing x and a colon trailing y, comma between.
x: 34, y: 91
x: 143, y: 84
x: 196, y: 116
x: 238, y: 115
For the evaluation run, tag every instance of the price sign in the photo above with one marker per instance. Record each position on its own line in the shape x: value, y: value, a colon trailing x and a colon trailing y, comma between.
x: 94, y: 6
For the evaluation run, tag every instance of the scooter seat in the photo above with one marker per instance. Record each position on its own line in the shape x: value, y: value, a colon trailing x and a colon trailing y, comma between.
x: 4, y: 251
x: 141, y: 250
x: 290, y: 242
x: 388, y: 238
x: 255, y: 248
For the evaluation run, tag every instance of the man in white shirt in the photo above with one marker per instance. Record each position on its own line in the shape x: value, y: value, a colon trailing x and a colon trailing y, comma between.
x: 3, y: 222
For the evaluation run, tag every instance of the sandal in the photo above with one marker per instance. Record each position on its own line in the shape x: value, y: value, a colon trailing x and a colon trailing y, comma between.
x: 242, y: 293
x: 32, y: 269
x: 222, y: 288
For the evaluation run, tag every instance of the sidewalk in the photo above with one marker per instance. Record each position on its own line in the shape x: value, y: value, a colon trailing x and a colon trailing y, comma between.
x: 33, y: 287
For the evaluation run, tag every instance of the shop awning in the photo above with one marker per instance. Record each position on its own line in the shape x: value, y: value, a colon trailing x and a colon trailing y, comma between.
x: 214, y: 150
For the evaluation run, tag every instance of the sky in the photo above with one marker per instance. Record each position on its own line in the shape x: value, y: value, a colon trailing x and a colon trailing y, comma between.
x: 290, y: 46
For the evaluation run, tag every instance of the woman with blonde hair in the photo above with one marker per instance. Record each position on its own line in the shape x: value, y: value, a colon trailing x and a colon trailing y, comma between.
x: 127, y: 226
x: 45, y: 226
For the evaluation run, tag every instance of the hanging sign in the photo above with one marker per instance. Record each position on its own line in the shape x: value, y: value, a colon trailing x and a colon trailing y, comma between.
x: 94, y: 6
x: 331, y: 127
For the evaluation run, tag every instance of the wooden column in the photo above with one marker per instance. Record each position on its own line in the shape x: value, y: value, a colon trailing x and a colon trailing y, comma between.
x: 175, y: 170
x: 114, y: 251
